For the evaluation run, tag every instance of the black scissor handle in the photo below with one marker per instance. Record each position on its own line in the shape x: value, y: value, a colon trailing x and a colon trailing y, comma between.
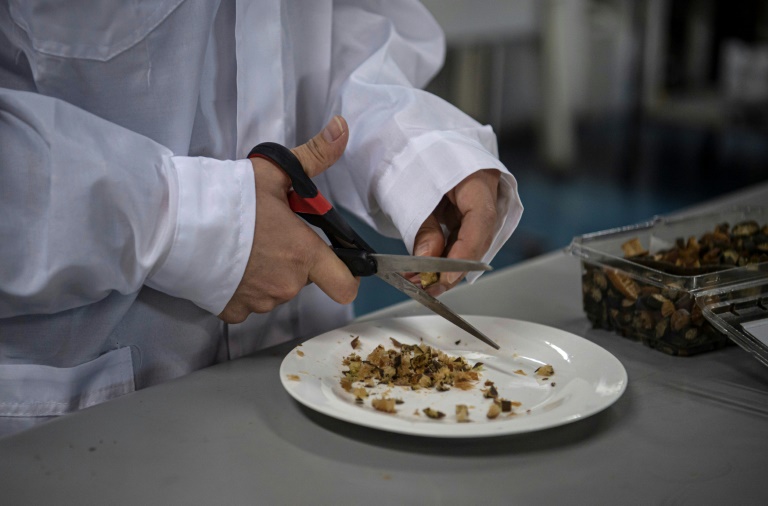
x: 359, y: 262
x: 287, y: 161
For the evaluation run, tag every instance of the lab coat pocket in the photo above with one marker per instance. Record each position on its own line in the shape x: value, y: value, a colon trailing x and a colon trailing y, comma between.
x: 28, y: 390
x: 88, y: 29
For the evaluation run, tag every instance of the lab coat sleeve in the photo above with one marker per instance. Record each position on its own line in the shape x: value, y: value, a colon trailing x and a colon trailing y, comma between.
x: 407, y: 147
x: 88, y: 207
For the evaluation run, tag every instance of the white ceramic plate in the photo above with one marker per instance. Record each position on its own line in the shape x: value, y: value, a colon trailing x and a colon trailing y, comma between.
x: 587, y: 378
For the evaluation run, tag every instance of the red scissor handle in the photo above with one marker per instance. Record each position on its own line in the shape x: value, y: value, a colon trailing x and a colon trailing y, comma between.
x: 314, y: 205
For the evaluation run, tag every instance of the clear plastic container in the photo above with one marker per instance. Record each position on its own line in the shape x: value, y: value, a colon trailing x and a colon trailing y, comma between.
x: 679, y: 309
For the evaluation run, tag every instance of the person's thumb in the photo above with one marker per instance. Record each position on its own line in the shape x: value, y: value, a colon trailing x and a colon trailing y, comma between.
x: 322, y: 150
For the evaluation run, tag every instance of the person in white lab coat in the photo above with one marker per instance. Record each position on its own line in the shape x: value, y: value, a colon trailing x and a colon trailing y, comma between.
x: 130, y: 218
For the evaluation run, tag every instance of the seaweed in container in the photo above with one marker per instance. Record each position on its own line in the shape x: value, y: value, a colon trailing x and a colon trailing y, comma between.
x: 653, y: 291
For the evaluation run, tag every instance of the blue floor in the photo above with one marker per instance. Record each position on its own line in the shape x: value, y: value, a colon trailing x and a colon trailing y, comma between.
x: 678, y: 168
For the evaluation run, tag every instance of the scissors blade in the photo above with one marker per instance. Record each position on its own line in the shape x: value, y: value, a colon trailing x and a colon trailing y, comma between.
x: 425, y: 299
x: 405, y: 263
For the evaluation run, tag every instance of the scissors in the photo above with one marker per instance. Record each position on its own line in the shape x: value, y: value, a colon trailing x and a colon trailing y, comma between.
x: 306, y: 201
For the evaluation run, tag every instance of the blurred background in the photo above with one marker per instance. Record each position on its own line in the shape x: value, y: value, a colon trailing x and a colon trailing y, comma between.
x: 607, y: 112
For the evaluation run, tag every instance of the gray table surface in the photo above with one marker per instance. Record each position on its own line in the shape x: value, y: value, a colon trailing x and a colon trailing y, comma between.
x: 686, y: 431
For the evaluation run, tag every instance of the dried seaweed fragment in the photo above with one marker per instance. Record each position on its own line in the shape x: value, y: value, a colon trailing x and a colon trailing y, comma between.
x: 633, y: 248
x: 414, y: 366
x: 462, y: 413
x: 428, y: 278
x: 384, y: 404
x: 350, y: 358
x: 433, y: 413
x: 623, y: 284
x: 490, y: 392
x: 360, y: 393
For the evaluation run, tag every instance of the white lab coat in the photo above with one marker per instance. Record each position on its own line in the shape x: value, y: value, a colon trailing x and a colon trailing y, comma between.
x: 127, y: 210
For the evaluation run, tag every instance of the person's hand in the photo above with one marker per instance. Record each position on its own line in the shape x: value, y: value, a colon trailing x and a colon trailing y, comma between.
x: 286, y: 253
x: 468, y: 213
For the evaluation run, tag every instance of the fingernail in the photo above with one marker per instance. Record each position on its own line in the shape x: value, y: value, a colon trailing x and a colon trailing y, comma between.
x: 333, y: 129
x: 451, y: 277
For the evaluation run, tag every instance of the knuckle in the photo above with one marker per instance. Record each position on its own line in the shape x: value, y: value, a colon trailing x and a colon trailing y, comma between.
x: 282, y: 286
x: 429, y: 229
x: 317, y: 152
x: 283, y: 292
x: 311, y: 154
